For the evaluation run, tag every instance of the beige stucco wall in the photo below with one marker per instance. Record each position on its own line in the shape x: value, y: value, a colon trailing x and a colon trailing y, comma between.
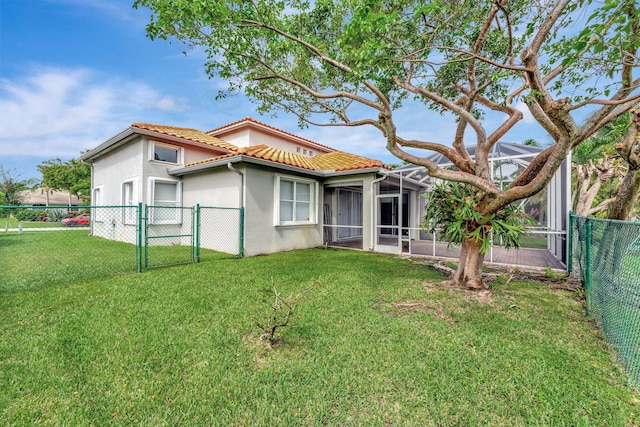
x: 252, y: 137
x: 261, y: 235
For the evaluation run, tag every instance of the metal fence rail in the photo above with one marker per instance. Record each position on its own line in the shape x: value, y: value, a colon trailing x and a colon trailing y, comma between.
x: 158, y: 235
x: 61, y: 245
x: 606, y: 255
x: 221, y: 229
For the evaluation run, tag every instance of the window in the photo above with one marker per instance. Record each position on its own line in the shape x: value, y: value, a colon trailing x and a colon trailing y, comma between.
x: 97, y: 214
x: 295, y: 201
x: 166, y: 153
x: 129, y: 201
x: 297, y: 149
x: 166, y: 202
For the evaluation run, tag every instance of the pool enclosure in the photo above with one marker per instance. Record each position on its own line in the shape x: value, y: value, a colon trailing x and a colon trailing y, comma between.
x: 385, y: 214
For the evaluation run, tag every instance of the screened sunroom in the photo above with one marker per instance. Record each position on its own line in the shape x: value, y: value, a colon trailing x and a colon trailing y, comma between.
x: 401, y: 197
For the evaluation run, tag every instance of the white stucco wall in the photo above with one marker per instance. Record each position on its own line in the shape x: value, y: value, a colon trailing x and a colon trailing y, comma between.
x: 219, y: 187
x: 213, y: 190
x: 108, y: 174
x: 122, y: 164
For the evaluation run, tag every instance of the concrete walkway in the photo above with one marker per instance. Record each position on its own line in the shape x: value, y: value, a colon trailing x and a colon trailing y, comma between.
x: 523, y: 257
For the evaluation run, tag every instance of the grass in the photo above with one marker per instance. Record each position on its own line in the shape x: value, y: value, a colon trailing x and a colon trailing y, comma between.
x: 14, y: 223
x: 377, y: 340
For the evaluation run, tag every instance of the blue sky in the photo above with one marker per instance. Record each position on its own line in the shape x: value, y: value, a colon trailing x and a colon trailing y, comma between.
x: 73, y: 73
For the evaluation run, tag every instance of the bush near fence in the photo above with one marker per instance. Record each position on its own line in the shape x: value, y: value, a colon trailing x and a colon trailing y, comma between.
x: 606, y: 256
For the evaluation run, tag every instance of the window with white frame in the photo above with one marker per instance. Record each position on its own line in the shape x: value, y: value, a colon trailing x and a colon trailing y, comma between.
x: 295, y: 201
x: 129, y: 201
x: 97, y: 214
x: 165, y: 196
x: 166, y: 153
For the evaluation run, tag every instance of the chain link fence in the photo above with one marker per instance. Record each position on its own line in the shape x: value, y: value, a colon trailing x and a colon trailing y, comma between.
x: 606, y: 256
x: 221, y: 230
x: 84, y: 242
x: 169, y: 236
x: 62, y: 245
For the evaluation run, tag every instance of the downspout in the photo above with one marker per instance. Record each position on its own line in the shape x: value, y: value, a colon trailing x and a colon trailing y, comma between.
x: 91, y: 195
x: 374, y: 203
x: 242, y: 212
x: 241, y: 173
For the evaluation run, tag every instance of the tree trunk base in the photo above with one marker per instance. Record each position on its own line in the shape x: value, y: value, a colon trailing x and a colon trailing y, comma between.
x: 469, y: 272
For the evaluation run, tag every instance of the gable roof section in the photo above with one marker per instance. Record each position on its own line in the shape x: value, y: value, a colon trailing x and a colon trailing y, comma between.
x: 333, y: 161
x: 186, y: 133
x: 337, y: 161
x: 171, y: 133
x: 248, y: 122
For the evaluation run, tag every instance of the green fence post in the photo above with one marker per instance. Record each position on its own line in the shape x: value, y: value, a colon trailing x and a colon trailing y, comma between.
x: 570, y: 243
x: 139, y: 239
x: 197, y: 232
x: 241, y: 254
x: 145, y: 235
x: 587, y: 272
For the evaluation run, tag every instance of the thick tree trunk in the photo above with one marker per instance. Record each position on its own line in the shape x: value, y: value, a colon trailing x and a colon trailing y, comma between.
x: 469, y: 272
x: 622, y: 208
x: 629, y: 150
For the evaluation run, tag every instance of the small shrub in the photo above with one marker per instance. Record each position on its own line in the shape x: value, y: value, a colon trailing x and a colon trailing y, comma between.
x: 56, y: 215
x: 27, y: 215
x: 279, y: 314
x: 552, y: 274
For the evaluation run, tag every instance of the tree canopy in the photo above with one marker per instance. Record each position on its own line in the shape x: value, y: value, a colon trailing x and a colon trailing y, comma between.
x: 72, y: 175
x: 351, y: 63
x: 11, y: 187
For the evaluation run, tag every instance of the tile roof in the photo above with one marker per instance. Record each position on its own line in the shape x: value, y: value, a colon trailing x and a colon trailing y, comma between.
x: 249, y: 120
x: 186, y: 133
x: 342, y: 161
x: 335, y: 161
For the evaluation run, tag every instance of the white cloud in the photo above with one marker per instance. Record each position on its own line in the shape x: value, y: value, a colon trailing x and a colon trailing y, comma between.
x: 527, y: 117
x: 60, y: 112
x: 120, y: 10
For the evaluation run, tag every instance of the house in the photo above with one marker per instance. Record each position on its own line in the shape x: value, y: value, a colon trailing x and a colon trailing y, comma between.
x: 289, y: 186
x: 46, y: 197
x: 295, y: 193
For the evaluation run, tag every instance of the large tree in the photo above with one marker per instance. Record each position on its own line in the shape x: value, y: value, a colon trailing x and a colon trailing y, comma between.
x: 12, y: 189
x: 629, y: 151
x: 597, y: 169
x: 351, y: 63
x: 72, y: 175
x: 12, y: 186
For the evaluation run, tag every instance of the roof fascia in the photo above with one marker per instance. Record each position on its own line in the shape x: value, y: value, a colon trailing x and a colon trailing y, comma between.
x: 126, y: 137
x: 112, y: 143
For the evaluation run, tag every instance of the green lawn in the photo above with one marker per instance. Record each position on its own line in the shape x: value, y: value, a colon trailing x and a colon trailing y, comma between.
x: 14, y: 223
x: 376, y: 341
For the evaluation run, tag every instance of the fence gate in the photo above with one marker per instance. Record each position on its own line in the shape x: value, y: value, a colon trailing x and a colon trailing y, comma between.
x: 169, y: 236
